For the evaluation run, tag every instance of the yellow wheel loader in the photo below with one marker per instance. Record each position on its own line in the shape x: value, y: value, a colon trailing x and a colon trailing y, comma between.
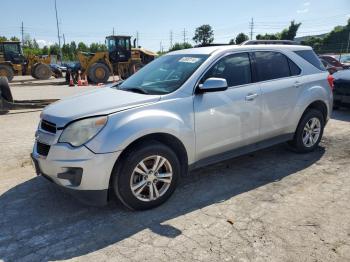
x: 13, y: 62
x: 121, y: 59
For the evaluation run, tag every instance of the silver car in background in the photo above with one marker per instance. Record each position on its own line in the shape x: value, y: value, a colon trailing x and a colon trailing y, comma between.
x: 184, y: 110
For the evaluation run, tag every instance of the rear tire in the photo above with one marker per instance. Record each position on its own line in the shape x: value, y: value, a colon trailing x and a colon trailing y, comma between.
x: 5, y: 91
x: 42, y: 72
x: 6, y: 71
x: 98, y: 73
x: 309, y: 131
x: 153, y: 191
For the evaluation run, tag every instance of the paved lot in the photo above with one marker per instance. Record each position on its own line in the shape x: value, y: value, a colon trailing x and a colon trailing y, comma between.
x: 272, y: 205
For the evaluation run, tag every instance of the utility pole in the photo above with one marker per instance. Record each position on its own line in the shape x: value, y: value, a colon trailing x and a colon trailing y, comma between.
x: 137, y: 38
x: 184, y: 34
x: 171, y: 39
x: 22, y: 33
x: 113, y: 31
x: 251, y: 26
x: 160, y: 46
x: 58, y: 32
x: 64, y: 40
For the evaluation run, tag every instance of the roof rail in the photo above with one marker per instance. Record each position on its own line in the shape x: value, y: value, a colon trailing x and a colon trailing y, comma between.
x: 205, y: 45
x: 270, y: 42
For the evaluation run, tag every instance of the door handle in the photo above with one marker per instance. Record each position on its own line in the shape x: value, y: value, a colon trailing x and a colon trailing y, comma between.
x: 251, y: 97
x: 297, y: 84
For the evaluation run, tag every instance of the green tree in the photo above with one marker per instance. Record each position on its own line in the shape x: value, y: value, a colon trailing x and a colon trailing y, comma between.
x: 73, y: 47
x: 35, y: 44
x: 82, y: 47
x: 333, y: 42
x: 54, y: 49
x: 268, y: 37
x: 204, y: 35
x: 180, y: 46
x: 286, y: 34
x: 45, y: 50
x: 290, y: 32
x: 3, y: 38
x: 66, y: 52
x: 232, y: 41
x: 94, y: 47
x: 14, y: 38
x: 241, y: 37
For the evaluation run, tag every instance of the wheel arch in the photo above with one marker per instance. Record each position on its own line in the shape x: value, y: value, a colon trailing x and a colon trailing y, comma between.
x: 318, y: 105
x: 167, y: 139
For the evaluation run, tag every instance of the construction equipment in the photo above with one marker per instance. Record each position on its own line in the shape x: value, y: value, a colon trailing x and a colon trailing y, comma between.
x: 121, y: 59
x: 8, y: 103
x: 13, y: 62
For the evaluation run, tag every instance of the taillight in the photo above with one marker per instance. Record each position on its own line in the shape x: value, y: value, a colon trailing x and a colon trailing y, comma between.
x: 330, y: 79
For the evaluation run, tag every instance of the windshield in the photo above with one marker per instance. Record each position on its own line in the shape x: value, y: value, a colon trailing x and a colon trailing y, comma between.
x: 164, y: 75
x: 14, y: 48
x: 112, y: 43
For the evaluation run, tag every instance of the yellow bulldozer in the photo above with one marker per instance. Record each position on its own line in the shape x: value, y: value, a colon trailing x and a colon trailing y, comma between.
x: 120, y: 59
x: 13, y: 62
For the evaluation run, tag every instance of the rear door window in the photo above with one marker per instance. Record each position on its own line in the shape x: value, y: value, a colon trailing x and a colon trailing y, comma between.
x: 311, y: 57
x: 271, y: 65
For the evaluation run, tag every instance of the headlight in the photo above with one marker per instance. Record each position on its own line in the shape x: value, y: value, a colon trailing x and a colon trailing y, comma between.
x: 80, y: 132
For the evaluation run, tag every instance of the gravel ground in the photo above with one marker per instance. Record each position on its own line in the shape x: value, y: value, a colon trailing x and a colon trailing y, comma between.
x: 272, y: 205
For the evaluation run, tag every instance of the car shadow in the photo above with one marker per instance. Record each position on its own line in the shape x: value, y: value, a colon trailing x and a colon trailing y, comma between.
x: 342, y: 114
x: 39, y: 222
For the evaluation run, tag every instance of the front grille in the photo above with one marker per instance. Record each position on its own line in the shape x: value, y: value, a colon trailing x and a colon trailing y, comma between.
x: 48, y: 126
x: 42, y: 149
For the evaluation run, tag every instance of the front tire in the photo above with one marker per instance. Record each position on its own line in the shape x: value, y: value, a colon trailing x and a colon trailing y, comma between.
x: 98, y: 73
x: 147, y: 176
x: 309, y: 132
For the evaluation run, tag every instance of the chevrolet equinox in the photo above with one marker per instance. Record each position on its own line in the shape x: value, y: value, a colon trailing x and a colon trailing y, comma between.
x: 184, y: 110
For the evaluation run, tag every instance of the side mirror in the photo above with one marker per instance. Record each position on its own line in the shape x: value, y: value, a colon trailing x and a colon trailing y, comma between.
x: 213, y: 84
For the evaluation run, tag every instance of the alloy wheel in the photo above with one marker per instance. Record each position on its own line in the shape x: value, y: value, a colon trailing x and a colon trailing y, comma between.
x: 151, y: 178
x: 311, y: 132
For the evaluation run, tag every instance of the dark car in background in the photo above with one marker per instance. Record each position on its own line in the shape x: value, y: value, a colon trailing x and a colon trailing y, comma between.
x: 333, y: 60
x: 338, y: 61
x: 344, y: 59
x: 341, y: 94
x: 330, y: 68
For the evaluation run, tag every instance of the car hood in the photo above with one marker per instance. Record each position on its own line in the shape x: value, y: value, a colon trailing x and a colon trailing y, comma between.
x: 101, y: 101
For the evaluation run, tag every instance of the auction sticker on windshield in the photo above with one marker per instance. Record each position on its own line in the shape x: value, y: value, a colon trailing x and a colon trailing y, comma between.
x: 187, y: 59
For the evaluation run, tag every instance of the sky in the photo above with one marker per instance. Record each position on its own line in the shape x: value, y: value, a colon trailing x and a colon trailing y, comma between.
x: 154, y: 20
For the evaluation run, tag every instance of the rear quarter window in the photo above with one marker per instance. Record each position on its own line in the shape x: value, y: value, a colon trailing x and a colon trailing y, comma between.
x: 294, y: 69
x: 311, y: 57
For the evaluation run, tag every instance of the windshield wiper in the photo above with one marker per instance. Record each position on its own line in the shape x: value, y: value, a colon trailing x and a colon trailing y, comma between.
x: 136, y: 90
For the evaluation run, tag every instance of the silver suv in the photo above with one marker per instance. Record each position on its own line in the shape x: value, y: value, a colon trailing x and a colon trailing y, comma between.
x: 184, y: 110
